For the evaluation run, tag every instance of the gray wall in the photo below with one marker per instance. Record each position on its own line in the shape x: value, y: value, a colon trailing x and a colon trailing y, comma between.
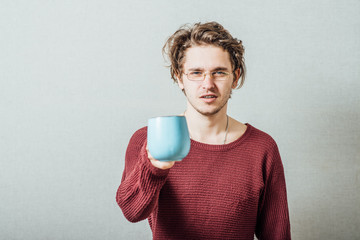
x: 77, y: 78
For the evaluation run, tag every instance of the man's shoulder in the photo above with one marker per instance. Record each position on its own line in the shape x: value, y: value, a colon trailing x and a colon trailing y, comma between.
x: 139, y: 135
x: 140, y: 131
x: 264, y: 145
x: 261, y: 137
x: 251, y: 133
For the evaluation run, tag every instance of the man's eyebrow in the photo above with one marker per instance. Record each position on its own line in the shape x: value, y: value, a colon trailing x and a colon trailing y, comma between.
x: 202, y: 69
x: 196, y: 69
x: 220, y: 69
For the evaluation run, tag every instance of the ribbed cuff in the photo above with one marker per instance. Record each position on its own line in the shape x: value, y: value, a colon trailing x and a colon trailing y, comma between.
x: 157, y: 172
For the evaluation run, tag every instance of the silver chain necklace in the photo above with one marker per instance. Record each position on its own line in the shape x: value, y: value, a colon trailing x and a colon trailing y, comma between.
x: 227, y: 128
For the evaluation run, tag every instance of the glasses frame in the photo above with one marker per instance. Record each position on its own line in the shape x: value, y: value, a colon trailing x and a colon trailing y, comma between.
x: 210, y: 73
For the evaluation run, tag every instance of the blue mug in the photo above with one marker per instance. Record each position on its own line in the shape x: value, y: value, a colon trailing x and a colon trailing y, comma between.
x: 168, y: 138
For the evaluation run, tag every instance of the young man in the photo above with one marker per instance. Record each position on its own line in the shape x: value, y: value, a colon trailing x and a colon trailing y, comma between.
x: 231, y: 185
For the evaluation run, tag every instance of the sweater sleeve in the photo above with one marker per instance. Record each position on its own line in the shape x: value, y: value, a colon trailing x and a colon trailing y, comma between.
x: 138, y: 193
x: 273, y: 216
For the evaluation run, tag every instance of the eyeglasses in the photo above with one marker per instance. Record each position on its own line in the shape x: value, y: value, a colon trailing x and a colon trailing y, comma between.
x: 200, y: 75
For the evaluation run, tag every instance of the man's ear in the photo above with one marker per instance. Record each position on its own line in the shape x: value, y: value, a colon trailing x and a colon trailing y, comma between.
x: 180, y: 82
x: 236, y: 78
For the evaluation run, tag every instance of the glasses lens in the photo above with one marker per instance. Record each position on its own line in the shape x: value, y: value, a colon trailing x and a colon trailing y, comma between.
x: 220, y: 75
x: 195, y: 75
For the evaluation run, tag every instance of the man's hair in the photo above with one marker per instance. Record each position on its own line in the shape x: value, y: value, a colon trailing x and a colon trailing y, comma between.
x: 210, y: 33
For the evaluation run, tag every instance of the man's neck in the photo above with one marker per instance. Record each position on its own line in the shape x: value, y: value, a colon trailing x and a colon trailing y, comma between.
x: 209, y: 129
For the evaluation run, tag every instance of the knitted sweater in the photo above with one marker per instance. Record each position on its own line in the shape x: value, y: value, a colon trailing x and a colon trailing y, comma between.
x: 230, y: 191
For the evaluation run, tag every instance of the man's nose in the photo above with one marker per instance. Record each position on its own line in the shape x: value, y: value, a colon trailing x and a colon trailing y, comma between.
x: 208, y: 81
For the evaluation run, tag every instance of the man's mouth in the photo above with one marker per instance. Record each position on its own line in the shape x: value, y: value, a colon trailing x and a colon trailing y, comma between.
x: 208, y: 97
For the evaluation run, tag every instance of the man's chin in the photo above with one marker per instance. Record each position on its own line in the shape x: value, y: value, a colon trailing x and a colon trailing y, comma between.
x: 208, y: 112
x: 209, y: 109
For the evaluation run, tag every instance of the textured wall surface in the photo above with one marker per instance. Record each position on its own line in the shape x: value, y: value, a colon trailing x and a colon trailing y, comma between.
x: 77, y: 78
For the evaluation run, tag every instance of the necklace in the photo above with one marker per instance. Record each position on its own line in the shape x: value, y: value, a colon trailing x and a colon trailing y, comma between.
x: 226, y: 129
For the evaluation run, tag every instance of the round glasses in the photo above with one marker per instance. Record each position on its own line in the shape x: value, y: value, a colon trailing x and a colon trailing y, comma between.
x: 200, y: 75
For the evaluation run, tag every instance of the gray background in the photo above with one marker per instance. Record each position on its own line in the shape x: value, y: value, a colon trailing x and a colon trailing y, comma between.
x: 77, y: 78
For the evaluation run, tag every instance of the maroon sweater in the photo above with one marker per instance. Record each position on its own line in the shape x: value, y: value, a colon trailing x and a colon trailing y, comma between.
x: 226, y: 191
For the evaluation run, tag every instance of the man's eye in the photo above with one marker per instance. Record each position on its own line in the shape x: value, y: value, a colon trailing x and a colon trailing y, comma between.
x: 219, y: 74
x: 195, y: 73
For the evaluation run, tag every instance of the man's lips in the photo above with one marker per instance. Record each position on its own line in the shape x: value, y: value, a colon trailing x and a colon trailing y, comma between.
x: 208, y: 98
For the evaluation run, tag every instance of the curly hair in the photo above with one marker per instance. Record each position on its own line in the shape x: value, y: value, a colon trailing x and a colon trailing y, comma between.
x: 210, y: 33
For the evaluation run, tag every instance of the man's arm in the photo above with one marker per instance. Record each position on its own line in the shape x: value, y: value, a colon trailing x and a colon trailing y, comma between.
x: 141, y: 182
x: 273, y: 217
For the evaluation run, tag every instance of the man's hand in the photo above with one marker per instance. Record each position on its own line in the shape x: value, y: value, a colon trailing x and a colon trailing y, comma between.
x: 159, y: 164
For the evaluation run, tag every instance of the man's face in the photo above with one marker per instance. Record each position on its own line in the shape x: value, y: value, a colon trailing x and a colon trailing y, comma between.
x: 209, y: 96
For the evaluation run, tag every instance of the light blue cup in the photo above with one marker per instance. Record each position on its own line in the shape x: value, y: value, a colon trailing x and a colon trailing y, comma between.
x: 168, y: 138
